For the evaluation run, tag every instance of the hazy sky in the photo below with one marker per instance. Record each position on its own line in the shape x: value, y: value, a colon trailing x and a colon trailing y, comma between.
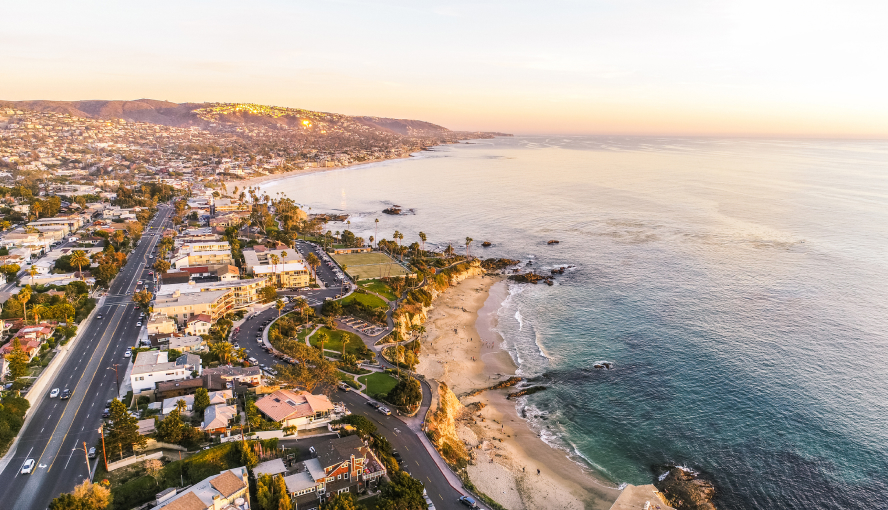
x: 814, y: 67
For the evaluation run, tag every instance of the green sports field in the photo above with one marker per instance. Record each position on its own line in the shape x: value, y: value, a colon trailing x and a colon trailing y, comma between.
x: 369, y: 265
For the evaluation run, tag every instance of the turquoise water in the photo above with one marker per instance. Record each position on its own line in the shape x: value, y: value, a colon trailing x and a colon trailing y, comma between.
x: 739, y: 286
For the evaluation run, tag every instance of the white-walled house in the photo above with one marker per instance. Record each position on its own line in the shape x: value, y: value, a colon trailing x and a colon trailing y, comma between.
x: 153, y: 367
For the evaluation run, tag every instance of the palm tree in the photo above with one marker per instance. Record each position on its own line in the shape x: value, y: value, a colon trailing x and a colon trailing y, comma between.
x: 371, y: 240
x: 33, y: 273
x: 274, y: 262
x: 376, y: 234
x: 422, y: 237
x: 322, y: 337
x: 79, y: 258
x: 313, y: 262
x: 279, y: 304
x: 345, y: 340
x: 23, y: 296
x: 468, y: 242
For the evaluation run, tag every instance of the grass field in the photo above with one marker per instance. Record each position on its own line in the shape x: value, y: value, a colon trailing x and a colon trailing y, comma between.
x: 378, y: 383
x: 380, y: 288
x: 365, y: 299
x: 334, y: 341
x: 367, y: 266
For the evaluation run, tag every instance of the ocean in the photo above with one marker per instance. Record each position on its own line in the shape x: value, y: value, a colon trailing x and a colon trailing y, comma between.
x: 740, y: 287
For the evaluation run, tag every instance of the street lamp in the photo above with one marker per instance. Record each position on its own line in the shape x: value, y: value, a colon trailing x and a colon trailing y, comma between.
x: 116, y: 377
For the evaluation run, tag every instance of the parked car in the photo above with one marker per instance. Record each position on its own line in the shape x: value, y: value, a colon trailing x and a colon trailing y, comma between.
x: 66, y: 394
x: 344, y: 387
x: 54, y: 393
x: 373, y: 404
x: 139, y: 324
x: 468, y: 501
x: 106, y: 413
x: 385, y: 410
x: 128, y: 353
x: 312, y: 451
x: 92, y: 453
x: 28, y: 467
x: 428, y: 501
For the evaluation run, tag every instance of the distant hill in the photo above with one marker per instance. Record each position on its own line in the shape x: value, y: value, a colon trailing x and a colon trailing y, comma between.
x: 208, y: 115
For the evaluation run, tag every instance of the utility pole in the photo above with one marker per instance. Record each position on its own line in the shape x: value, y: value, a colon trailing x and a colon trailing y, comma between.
x: 86, y: 456
x: 116, y: 377
x: 104, y: 455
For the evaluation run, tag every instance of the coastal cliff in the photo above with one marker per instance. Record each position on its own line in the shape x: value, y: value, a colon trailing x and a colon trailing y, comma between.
x: 441, y: 427
x: 414, y: 309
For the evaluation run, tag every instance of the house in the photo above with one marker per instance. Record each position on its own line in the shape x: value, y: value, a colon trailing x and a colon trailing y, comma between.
x: 216, y: 398
x: 152, y: 367
x: 169, y: 389
x: 199, y: 324
x: 225, y: 273
x: 160, y: 324
x: 243, y: 375
x: 225, y: 205
x: 175, y: 277
x: 186, y: 343
x: 217, y: 418
x: 201, y: 258
x: 146, y: 426
x: 299, y: 409
x: 225, y: 491
x: 341, y: 465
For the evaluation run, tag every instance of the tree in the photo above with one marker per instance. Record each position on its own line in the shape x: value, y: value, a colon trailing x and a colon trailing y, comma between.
x: 275, y: 260
x: 422, y: 237
x: 10, y: 270
x: 344, y: 501
x: 312, y: 373
x: 201, y: 401
x: 123, y: 428
x: 407, y: 393
x: 79, y: 259
x: 32, y: 272
x: 269, y: 294
x: 170, y: 429
x: 18, y: 360
x: 161, y: 266
x: 346, y: 338
x: 143, y: 298
x: 223, y: 350
x: 23, y: 297
x: 118, y: 237
x: 403, y: 493
x: 271, y: 493
x: 313, y: 261
x: 86, y: 496
x: 468, y: 242
x: 279, y: 304
x: 322, y: 337
x: 153, y: 468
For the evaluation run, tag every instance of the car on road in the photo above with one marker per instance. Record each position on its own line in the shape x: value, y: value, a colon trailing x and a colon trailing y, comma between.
x: 66, y: 394
x: 99, y: 316
x: 312, y: 451
x: 92, y: 453
x: 128, y: 353
x: 468, y: 501
x: 253, y: 361
x: 54, y: 393
x: 344, y: 387
x: 28, y: 467
x: 428, y: 502
x: 373, y: 404
x: 385, y: 410
x: 106, y: 413
x: 236, y: 345
x: 139, y: 324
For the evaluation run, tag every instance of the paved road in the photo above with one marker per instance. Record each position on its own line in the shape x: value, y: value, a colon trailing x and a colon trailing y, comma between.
x: 58, y: 427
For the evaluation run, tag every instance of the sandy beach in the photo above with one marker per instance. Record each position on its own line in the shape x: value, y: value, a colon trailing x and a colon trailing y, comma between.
x: 461, y: 350
x: 256, y: 181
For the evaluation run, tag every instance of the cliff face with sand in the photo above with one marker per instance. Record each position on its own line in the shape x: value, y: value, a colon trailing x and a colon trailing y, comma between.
x: 414, y: 310
x: 442, y: 427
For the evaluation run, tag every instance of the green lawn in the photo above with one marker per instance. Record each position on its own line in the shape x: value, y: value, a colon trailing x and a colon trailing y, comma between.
x: 334, y: 341
x: 348, y: 379
x: 365, y: 299
x: 378, y: 383
x: 372, y: 265
x: 380, y: 288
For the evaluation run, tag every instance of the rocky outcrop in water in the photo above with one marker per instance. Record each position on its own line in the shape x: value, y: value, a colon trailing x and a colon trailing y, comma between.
x: 529, y: 278
x: 686, y: 491
x: 497, y: 264
x: 394, y: 210
x: 526, y: 391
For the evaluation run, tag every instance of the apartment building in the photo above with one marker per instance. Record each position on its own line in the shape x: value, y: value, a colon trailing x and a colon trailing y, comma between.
x: 243, y: 292
x: 152, y: 367
x: 181, y: 306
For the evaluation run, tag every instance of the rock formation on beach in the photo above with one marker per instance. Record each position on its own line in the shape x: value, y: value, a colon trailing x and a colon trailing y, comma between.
x: 686, y: 491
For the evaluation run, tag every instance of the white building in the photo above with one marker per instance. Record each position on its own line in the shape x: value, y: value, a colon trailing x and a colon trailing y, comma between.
x: 153, y: 367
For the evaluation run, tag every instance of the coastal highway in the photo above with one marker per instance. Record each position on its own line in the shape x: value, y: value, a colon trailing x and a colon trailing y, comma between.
x: 57, y: 429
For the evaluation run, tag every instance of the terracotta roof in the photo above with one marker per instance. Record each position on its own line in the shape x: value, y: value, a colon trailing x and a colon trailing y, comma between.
x: 227, y: 483
x: 284, y: 404
x: 188, y: 501
x: 201, y: 317
x: 195, y: 269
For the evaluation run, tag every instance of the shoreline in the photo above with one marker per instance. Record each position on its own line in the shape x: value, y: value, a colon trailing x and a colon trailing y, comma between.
x: 463, y: 350
x: 266, y: 179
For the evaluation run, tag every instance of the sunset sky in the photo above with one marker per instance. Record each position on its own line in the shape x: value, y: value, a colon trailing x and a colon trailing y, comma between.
x: 752, y: 67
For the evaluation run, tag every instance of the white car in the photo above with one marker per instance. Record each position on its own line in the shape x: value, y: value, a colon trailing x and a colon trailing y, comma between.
x: 54, y: 393
x: 128, y: 353
x: 139, y: 324
x: 28, y: 467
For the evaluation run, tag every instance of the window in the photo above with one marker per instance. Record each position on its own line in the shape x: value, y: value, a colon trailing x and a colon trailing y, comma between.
x: 338, y: 477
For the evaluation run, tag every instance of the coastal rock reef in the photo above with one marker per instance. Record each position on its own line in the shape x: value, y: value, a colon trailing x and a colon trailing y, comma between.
x: 686, y: 491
